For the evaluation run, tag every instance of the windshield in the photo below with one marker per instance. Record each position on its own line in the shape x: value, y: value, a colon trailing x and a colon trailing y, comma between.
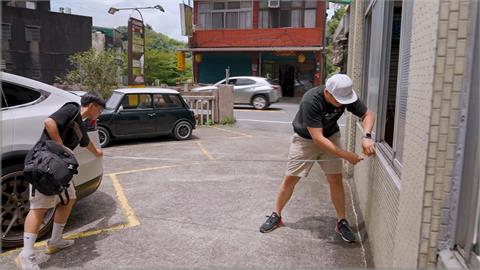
x: 113, y: 101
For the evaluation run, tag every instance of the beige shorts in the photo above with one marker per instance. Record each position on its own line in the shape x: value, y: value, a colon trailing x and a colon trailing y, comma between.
x: 42, y: 201
x: 304, y: 149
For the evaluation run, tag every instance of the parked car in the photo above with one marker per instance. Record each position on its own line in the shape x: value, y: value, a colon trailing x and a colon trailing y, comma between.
x: 25, y: 105
x: 255, y: 91
x: 78, y: 92
x: 300, y: 86
x: 145, y: 112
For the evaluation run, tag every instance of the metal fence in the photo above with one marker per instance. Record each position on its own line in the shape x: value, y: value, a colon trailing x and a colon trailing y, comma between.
x: 203, y: 106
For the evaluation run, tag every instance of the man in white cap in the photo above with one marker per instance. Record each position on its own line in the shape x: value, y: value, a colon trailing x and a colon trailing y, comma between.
x: 317, y: 137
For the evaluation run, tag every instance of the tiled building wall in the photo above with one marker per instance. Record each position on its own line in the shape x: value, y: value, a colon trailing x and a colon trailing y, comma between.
x: 403, y: 214
x: 453, y: 22
x: 419, y: 114
x: 377, y: 190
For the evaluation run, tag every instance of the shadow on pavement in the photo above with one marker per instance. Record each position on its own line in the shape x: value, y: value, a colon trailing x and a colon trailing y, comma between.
x: 321, y: 227
x: 103, y: 207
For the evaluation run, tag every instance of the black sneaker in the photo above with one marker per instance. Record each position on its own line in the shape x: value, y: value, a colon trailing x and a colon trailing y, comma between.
x: 343, y: 229
x: 273, y: 221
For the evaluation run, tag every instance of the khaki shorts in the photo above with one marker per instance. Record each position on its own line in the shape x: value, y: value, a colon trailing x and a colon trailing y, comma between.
x: 304, y: 149
x: 42, y: 201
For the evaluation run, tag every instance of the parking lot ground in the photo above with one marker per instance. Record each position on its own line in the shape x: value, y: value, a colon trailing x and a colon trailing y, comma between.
x: 199, y: 204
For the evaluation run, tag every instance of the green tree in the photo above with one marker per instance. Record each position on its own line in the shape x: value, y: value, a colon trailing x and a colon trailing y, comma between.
x: 160, y: 58
x: 95, y: 71
x: 332, y: 25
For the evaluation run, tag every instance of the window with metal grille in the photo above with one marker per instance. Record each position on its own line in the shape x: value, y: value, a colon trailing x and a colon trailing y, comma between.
x: 36, y: 74
x: 225, y: 15
x: 387, y: 58
x: 6, y: 31
x: 296, y: 14
x: 32, y: 33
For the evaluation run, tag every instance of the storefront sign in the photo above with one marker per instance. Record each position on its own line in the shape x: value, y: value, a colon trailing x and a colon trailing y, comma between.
x: 136, y: 52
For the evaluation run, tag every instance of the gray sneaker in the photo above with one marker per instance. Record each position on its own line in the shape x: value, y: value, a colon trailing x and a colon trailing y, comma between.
x: 273, y: 221
x: 30, y: 262
x: 58, y: 245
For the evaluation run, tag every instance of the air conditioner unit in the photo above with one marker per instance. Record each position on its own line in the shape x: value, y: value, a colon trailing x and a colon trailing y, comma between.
x: 273, y: 3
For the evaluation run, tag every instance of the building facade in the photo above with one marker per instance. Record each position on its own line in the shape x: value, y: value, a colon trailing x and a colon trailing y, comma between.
x: 280, y: 40
x: 416, y: 64
x: 36, y: 42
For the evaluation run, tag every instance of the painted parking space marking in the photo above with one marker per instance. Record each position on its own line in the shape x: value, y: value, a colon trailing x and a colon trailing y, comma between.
x: 234, y: 132
x: 204, y: 151
x: 132, y: 220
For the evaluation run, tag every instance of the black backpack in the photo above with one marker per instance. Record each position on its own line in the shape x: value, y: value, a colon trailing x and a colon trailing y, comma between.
x: 50, y: 166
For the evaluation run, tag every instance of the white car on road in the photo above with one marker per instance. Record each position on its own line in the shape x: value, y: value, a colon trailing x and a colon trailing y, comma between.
x: 255, y: 91
x: 25, y: 105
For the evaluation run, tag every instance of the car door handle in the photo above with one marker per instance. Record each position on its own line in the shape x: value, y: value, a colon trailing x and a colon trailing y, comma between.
x: 151, y: 114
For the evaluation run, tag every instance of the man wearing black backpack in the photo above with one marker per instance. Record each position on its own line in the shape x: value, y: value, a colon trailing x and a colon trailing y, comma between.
x: 66, y: 127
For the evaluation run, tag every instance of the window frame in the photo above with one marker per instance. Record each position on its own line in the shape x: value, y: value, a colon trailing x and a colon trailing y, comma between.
x: 171, y: 101
x: 30, y: 37
x: 8, y: 27
x: 208, y: 13
x: 250, y: 81
x: 138, y: 98
x: 380, y: 103
x: 302, y: 8
x: 43, y: 95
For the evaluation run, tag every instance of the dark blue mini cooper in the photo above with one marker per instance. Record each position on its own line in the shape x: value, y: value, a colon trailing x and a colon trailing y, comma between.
x: 145, y: 112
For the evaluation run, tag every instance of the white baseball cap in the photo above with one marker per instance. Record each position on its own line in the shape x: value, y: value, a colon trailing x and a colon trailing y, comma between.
x: 340, y: 86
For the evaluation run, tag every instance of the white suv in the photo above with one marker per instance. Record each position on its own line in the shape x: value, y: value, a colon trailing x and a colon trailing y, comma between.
x: 25, y: 105
x: 256, y: 91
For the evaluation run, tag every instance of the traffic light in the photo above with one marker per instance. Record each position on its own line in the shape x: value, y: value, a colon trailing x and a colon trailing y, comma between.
x: 181, y: 61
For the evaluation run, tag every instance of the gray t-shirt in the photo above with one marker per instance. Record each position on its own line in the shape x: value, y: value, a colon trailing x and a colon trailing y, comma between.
x: 316, y: 112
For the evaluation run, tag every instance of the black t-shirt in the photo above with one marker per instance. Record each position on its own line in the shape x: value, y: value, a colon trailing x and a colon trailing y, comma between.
x: 77, y: 131
x: 316, y: 112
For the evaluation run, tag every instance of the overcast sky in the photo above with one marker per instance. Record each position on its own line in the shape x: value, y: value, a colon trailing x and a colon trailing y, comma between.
x: 167, y: 22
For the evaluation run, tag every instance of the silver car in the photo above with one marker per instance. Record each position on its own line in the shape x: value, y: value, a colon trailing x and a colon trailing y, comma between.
x: 25, y: 105
x: 255, y: 91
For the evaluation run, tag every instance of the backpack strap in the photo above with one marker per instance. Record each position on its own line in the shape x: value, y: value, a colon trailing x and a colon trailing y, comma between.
x: 66, y: 195
x: 35, y: 170
x: 71, y: 121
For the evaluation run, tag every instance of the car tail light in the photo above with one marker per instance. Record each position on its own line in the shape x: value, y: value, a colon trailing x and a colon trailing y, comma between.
x: 277, y: 88
x: 91, y: 124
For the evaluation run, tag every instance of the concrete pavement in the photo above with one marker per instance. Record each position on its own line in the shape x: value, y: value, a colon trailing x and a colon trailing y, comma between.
x: 200, y: 205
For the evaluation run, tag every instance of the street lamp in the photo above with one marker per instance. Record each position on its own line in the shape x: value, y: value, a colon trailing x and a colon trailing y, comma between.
x: 136, y: 50
x: 113, y: 10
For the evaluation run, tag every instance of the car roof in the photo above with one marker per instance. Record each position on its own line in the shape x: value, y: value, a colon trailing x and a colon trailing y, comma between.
x: 256, y: 78
x: 148, y: 90
x: 12, y: 78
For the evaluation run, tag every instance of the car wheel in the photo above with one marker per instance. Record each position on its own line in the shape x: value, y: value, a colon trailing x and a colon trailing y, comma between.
x: 104, y: 136
x: 260, y: 102
x: 182, y: 130
x: 15, y: 207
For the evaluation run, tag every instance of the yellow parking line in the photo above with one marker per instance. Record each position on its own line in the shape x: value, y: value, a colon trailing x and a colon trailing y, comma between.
x: 145, y: 169
x: 234, y: 132
x: 132, y: 219
x: 204, y: 151
x: 127, y: 210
